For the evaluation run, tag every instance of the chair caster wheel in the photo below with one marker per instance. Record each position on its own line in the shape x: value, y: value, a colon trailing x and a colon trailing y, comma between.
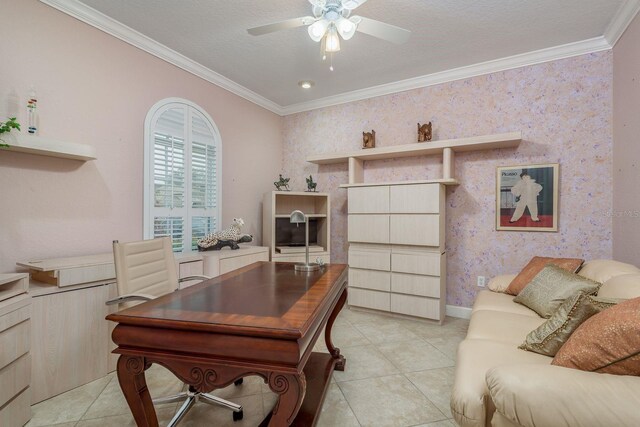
x: 238, y: 382
x: 237, y: 416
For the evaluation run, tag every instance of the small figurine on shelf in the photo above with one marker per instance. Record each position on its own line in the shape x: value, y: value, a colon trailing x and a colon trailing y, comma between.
x: 282, y: 184
x: 32, y: 112
x: 369, y: 139
x: 424, y: 132
x: 311, y: 186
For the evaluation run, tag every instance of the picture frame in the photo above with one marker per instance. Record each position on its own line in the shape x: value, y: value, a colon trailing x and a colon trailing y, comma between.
x: 527, y: 197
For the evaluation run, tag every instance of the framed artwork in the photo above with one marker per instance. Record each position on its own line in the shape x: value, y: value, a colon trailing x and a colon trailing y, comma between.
x: 527, y: 198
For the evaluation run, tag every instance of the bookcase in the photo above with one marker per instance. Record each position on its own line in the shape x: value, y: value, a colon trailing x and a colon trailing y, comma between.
x: 285, y: 240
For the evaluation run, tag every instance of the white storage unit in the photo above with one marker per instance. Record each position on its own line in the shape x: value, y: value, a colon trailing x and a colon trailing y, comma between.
x: 396, y: 249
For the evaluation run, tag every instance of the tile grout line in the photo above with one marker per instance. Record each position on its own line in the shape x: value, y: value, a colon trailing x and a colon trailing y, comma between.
x: 427, y: 397
x: 94, y: 400
x: 349, y: 405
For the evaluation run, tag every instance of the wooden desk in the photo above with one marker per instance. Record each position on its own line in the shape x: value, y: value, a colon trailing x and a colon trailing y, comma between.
x: 263, y: 319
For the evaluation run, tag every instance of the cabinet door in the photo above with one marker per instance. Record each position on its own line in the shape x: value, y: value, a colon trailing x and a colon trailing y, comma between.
x: 234, y: 263
x: 372, y: 257
x: 368, y: 228
x: 422, y: 198
x: 370, y: 279
x: 368, y: 199
x: 421, y: 230
x: 70, y: 340
x: 190, y: 268
x: 369, y: 299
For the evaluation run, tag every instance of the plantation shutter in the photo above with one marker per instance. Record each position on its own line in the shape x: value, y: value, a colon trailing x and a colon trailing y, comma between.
x: 184, y: 168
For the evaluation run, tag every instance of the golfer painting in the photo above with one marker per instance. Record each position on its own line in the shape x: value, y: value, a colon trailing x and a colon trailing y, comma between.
x: 527, y: 198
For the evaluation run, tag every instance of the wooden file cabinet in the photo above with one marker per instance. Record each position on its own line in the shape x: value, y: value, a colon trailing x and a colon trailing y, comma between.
x: 396, y: 249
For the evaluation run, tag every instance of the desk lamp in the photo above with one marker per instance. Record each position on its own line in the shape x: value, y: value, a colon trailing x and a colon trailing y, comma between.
x: 297, y: 217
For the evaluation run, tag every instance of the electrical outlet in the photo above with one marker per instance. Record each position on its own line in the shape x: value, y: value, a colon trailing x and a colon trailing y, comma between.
x: 482, y: 281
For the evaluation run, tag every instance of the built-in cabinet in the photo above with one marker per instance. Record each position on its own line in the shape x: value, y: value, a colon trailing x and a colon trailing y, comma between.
x: 396, y: 239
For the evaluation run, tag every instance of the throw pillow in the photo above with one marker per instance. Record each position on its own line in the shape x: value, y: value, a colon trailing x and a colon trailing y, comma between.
x: 548, y: 338
x: 536, y: 265
x: 551, y: 287
x: 608, y: 342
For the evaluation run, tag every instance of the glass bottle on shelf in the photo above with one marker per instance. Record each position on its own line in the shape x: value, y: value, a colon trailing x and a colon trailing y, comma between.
x: 32, y: 112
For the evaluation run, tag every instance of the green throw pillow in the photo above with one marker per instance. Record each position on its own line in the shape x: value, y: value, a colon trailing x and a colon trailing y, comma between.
x: 549, y: 288
x: 551, y: 335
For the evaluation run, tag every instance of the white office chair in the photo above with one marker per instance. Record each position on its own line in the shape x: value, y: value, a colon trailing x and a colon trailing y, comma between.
x: 146, y: 270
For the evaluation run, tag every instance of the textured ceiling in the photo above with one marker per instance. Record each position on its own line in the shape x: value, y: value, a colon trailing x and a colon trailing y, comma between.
x: 446, y: 34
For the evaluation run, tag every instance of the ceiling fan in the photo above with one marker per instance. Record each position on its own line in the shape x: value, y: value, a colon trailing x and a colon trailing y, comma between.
x: 332, y: 18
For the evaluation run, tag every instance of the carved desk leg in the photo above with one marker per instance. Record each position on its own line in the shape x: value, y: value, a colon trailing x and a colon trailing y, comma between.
x: 134, y: 386
x: 334, y: 351
x: 291, y: 390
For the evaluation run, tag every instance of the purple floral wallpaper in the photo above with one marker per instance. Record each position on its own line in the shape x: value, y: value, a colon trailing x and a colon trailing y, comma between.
x: 564, y: 111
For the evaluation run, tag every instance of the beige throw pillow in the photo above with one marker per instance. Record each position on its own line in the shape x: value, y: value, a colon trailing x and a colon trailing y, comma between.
x: 551, y: 287
x: 551, y: 335
x: 535, y: 266
x: 607, y: 343
x: 500, y: 283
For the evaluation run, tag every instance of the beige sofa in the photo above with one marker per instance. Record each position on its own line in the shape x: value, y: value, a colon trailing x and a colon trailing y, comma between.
x: 498, y: 384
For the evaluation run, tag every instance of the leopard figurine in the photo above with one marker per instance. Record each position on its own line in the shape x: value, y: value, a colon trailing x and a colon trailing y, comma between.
x: 232, y: 233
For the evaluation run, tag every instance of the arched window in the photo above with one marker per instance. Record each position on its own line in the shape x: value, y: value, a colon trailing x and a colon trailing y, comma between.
x: 182, y: 173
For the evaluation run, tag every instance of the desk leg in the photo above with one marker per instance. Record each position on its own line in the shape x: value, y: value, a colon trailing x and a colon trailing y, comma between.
x: 334, y: 351
x: 291, y: 390
x: 134, y: 386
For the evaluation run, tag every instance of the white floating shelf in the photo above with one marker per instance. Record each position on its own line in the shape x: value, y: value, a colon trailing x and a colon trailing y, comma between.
x: 425, y: 181
x: 48, y: 147
x: 447, y: 148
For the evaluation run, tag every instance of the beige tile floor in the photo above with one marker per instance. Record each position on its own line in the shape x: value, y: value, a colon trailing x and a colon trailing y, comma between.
x: 399, y: 373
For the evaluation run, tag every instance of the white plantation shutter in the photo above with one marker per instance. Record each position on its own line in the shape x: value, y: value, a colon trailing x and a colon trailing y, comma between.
x: 182, y: 174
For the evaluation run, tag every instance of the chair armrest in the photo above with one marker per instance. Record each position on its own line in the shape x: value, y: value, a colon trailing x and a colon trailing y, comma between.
x: 196, y: 277
x: 545, y: 395
x: 128, y: 298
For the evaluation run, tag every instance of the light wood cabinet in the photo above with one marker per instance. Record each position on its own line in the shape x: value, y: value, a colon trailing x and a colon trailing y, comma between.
x: 396, y: 239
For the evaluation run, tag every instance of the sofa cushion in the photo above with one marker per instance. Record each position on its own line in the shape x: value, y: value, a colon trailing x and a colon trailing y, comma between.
x: 552, y: 334
x: 601, y: 270
x: 501, y: 326
x: 470, y: 401
x: 536, y: 265
x: 608, y: 342
x: 494, y: 301
x: 625, y: 286
x: 501, y: 283
x: 551, y: 287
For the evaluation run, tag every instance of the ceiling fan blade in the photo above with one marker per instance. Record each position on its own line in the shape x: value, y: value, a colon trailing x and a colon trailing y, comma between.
x: 283, y: 25
x: 383, y: 31
x: 352, y: 4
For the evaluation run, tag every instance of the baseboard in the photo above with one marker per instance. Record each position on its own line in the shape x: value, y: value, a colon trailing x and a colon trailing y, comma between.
x: 457, y: 311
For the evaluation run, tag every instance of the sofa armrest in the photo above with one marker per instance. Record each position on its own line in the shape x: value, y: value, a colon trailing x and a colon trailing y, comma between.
x: 501, y: 283
x: 545, y: 395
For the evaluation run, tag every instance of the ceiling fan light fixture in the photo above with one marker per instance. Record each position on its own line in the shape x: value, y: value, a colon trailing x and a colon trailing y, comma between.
x: 352, y: 4
x: 318, y: 29
x: 346, y: 28
x: 332, y: 40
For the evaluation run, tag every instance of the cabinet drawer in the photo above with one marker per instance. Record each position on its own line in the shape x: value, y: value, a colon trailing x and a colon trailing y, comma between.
x: 301, y: 258
x: 368, y: 199
x: 14, y: 342
x: 413, y: 284
x: 14, y: 378
x: 14, y: 317
x: 416, y: 261
x: 368, y: 228
x: 369, y: 299
x: 371, y: 257
x: 421, y: 230
x: 370, y: 279
x: 17, y: 412
x: 230, y: 264
x: 416, y: 306
x: 422, y: 198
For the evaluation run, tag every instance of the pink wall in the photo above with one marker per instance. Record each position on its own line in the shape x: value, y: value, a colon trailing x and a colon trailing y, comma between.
x: 95, y: 89
x: 626, y: 151
x: 563, y: 109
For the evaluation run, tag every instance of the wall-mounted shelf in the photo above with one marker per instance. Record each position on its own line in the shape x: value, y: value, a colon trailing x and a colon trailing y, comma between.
x: 48, y: 147
x: 446, y: 148
x: 425, y: 181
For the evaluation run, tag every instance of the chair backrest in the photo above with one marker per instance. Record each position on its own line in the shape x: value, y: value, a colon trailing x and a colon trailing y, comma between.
x: 145, y: 267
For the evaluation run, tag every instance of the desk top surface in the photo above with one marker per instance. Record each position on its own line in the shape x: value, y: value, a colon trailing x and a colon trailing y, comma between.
x: 262, y: 299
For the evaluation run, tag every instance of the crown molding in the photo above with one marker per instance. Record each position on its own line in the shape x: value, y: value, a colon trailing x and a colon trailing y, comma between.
x: 521, y: 60
x: 110, y: 26
x: 621, y: 20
